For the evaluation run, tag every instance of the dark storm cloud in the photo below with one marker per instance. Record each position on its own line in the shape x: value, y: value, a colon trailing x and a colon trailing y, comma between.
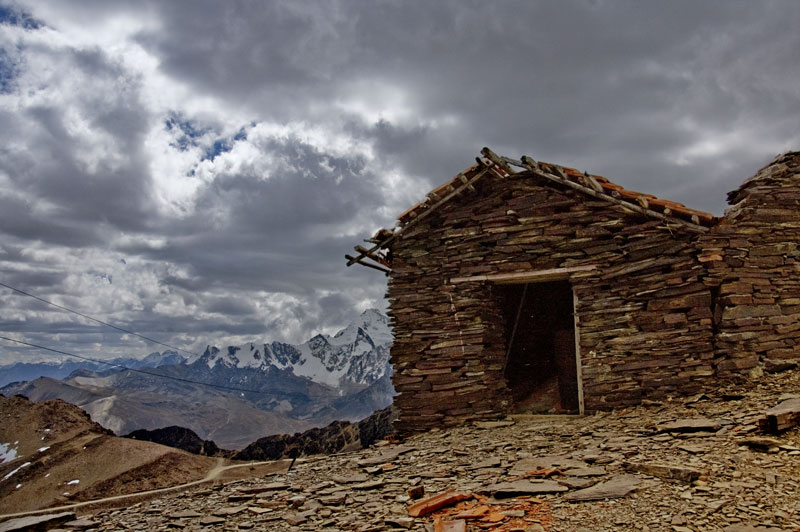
x: 74, y: 187
x: 266, y: 55
x: 232, y: 152
x: 567, y: 81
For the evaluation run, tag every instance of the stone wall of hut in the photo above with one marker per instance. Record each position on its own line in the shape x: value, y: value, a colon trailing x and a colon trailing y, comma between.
x: 645, y: 314
x: 753, y: 262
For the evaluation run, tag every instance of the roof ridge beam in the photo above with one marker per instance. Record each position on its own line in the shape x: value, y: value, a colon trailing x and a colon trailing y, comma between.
x: 531, y: 165
x: 498, y: 160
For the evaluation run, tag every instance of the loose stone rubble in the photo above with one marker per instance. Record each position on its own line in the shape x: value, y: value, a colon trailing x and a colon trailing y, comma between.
x: 644, y: 468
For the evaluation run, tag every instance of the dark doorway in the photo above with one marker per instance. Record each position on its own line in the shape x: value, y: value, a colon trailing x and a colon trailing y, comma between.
x: 541, y: 370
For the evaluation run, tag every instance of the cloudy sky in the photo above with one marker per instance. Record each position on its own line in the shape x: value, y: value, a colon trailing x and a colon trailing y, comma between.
x: 196, y: 170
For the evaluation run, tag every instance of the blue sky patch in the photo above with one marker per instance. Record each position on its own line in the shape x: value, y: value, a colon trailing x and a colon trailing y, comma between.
x: 16, y: 17
x: 220, y: 146
x: 223, y: 145
x: 8, y: 72
x: 188, y: 132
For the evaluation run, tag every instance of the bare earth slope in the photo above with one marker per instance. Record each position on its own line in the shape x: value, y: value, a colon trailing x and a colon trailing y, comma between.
x: 684, y: 465
x: 55, y: 453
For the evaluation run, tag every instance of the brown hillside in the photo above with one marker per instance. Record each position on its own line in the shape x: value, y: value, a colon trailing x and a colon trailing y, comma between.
x: 56, y: 444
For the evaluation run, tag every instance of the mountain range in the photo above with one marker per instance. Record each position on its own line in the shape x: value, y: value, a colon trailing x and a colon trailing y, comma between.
x: 248, y: 391
x: 26, y: 371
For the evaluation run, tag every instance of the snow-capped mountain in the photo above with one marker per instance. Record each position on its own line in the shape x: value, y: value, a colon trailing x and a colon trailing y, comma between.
x: 241, y: 393
x: 356, y: 355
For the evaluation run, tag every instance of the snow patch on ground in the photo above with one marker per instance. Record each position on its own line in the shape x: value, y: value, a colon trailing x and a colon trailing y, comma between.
x: 43, y: 449
x: 7, y: 452
x: 9, y: 475
x: 73, y: 482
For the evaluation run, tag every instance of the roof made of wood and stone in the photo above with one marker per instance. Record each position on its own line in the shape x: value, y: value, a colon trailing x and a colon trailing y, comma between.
x: 493, y: 166
x: 591, y: 185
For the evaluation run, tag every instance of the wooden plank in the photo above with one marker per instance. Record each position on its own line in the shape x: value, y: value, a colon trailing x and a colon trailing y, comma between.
x: 499, y: 161
x: 782, y: 417
x: 555, y: 274
x: 360, y: 260
x: 592, y: 182
x: 377, y: 258
x: 578, y: 368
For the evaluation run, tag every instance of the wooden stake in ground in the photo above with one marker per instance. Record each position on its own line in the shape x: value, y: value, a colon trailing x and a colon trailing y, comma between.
x: 781, y: 417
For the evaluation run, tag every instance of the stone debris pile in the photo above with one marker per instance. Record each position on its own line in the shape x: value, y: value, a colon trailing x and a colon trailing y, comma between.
x: 679, y: 465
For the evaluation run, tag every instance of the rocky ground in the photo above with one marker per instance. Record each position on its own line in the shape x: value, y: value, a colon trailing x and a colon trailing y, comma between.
x: 687, y: 464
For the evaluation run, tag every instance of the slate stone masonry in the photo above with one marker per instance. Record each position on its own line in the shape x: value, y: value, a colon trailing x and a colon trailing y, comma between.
x: 667, y: 310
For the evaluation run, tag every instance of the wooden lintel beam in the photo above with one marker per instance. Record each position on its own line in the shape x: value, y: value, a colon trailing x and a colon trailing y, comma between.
x: 537, y: 276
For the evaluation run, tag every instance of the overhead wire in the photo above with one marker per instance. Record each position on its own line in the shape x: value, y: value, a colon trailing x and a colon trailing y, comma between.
x: 99, y: 361
x: 96, y: 320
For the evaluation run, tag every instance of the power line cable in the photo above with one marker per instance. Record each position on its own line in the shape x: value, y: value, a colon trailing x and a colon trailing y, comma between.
x: 179, y: 379
x: 96, y: 320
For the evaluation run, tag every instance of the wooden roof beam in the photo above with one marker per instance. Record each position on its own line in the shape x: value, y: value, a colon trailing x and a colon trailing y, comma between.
x: 499, y: 161
x: 531, y: 165
x: 360, y: 260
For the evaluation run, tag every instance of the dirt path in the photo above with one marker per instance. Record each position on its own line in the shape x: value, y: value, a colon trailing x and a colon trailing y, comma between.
x: 213, y: 474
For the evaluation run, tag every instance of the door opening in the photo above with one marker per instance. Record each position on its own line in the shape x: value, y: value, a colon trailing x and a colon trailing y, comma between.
x: 541, y: 367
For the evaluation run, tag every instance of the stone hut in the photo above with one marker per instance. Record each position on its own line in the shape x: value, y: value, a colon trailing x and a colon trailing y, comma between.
x: 531, y: 287
x: 753, y: 264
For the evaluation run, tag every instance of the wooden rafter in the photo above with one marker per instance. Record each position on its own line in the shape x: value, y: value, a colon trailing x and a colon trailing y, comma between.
x: 640, y: 208
x: 466, y: 185
x: 360, y: 260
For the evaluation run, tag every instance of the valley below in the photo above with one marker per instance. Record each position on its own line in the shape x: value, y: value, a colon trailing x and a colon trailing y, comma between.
x: 235, y: 395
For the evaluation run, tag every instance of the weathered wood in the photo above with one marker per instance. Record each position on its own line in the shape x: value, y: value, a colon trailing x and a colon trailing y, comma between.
x: 354, y: 260
x: 496, y: 159
x: 553, y: 274
x: 630, y: 207
x: 782, y: 417
x: 377, y: 258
